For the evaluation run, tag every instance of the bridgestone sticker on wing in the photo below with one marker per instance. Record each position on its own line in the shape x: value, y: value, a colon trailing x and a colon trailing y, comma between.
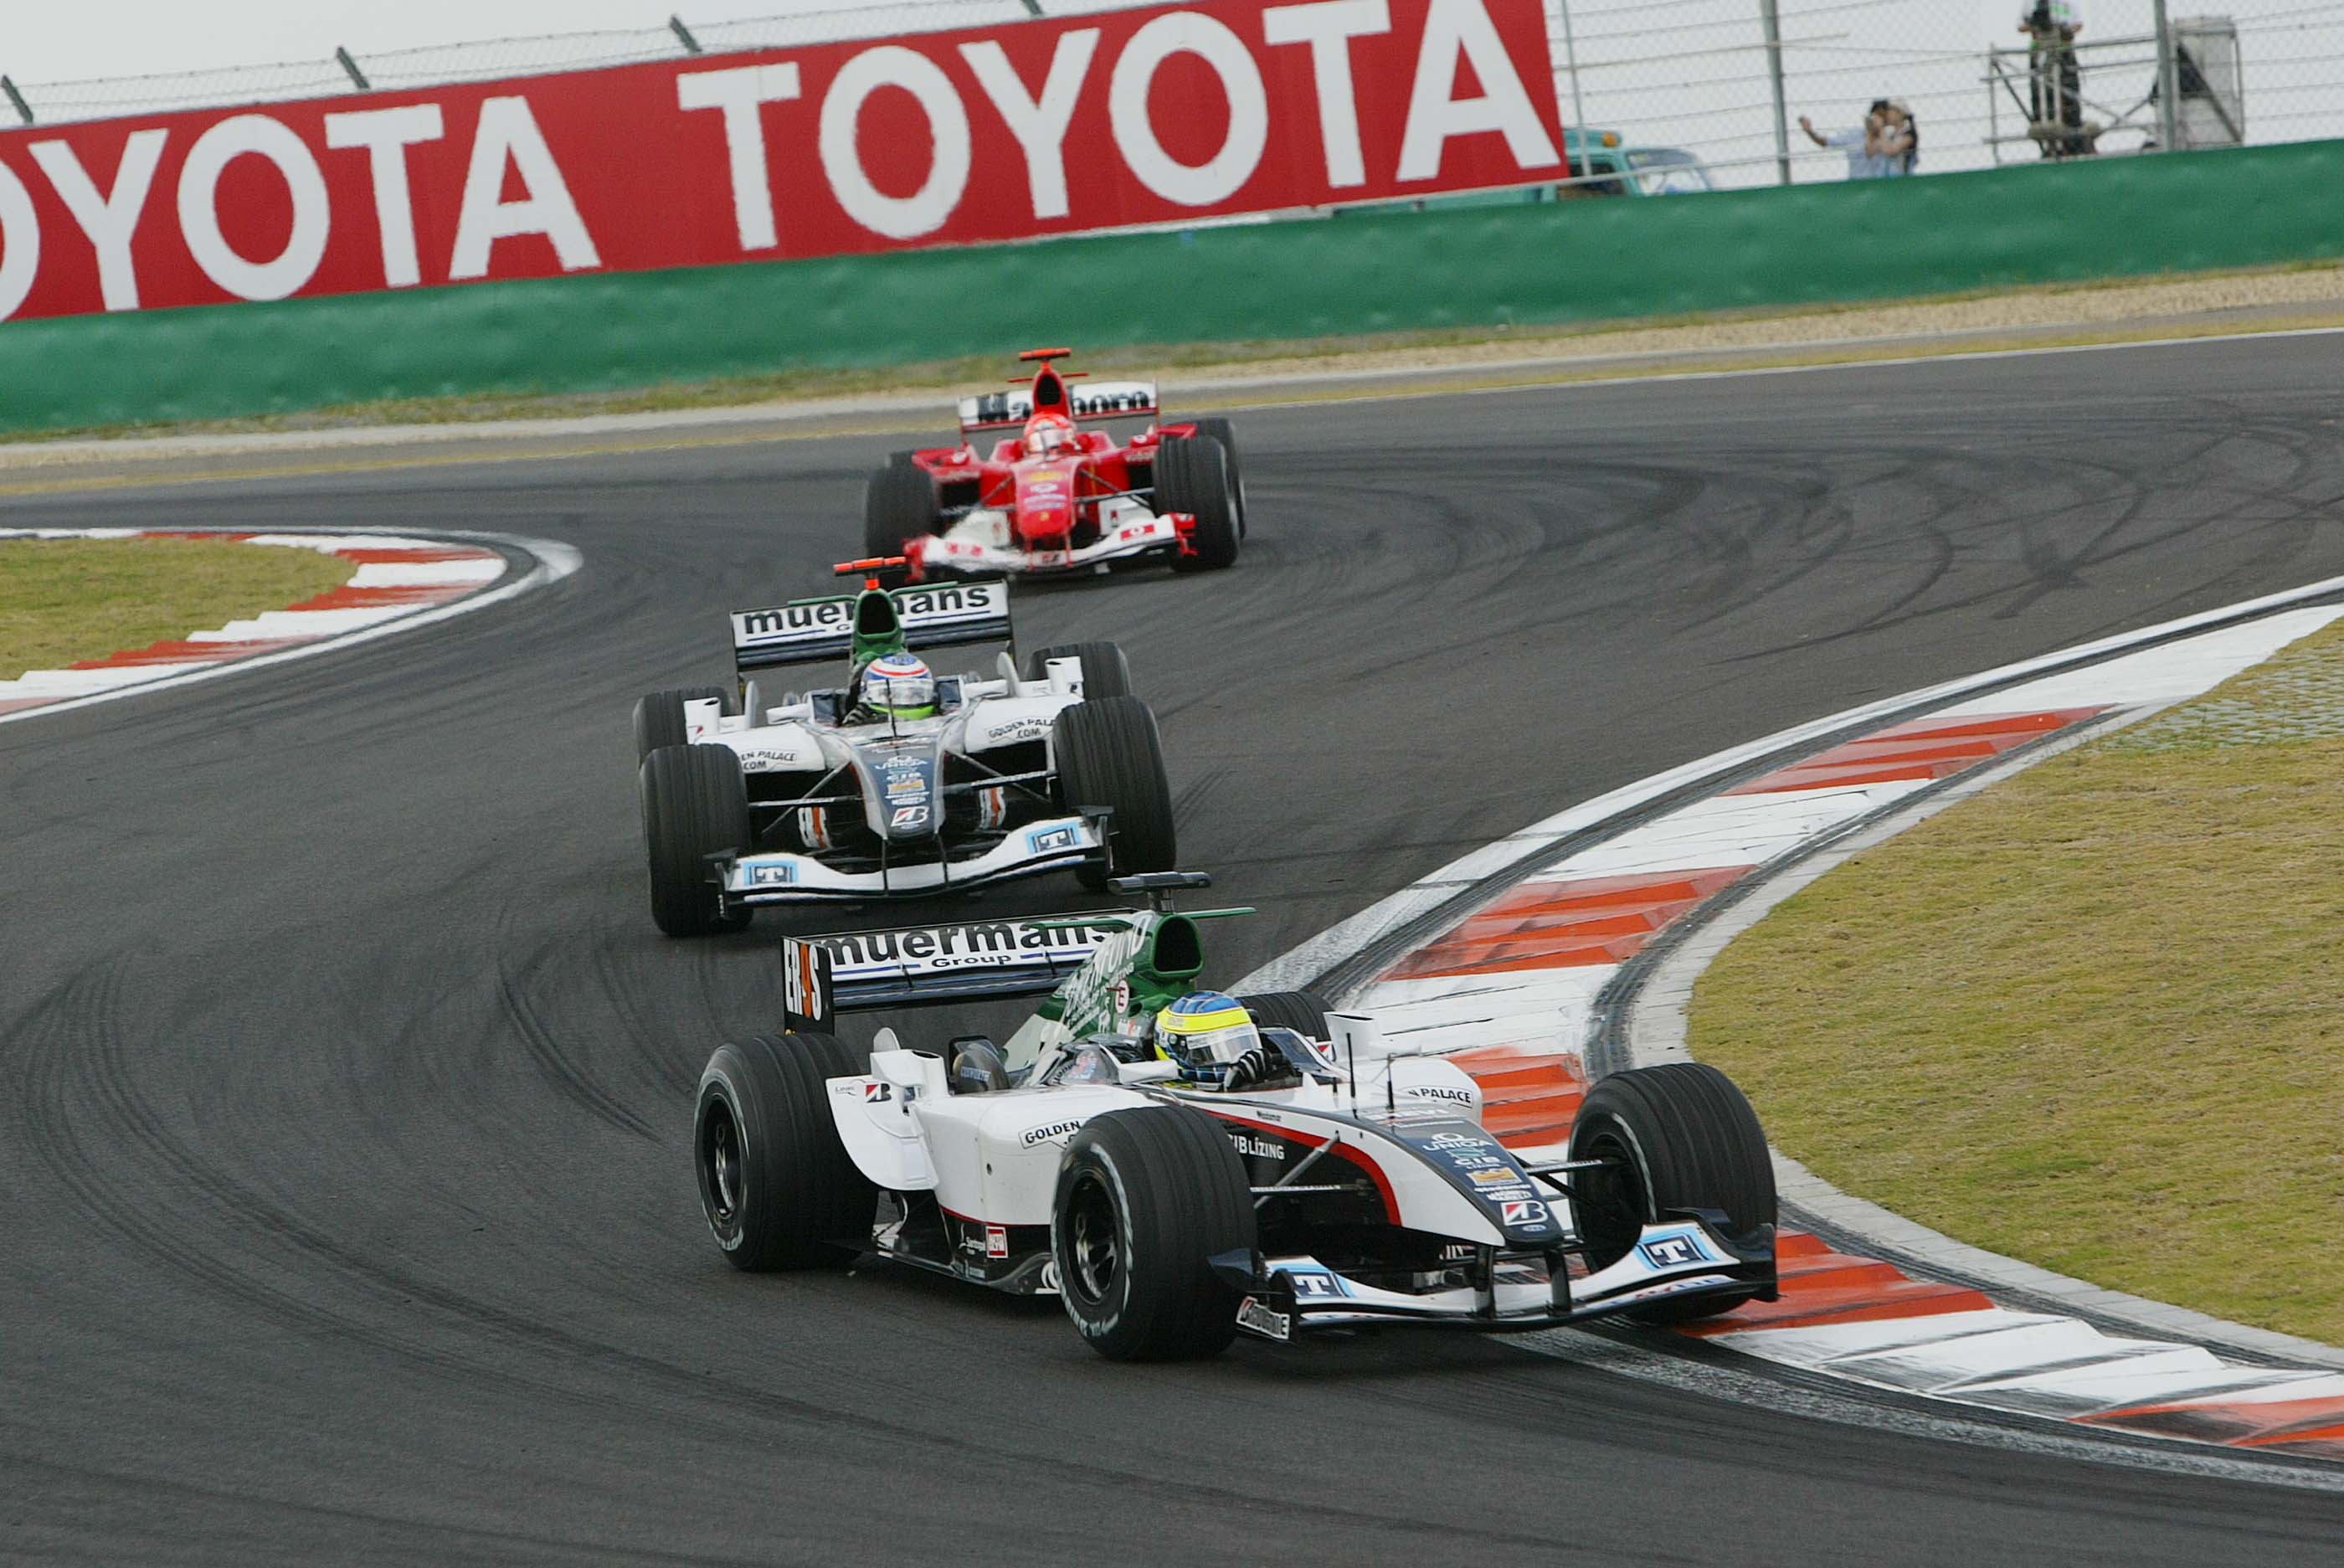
x: 1257, y: 1318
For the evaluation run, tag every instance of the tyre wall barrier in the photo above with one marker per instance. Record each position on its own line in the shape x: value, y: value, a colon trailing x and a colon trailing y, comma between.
x: 1529, y: 264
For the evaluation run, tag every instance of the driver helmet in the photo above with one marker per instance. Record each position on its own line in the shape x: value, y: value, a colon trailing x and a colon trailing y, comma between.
x: 1203, y: 1034
x: 900, y: 686
x: 1048, y: 434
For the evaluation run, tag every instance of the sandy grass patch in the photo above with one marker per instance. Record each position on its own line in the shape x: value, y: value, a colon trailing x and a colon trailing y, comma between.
x: 63, y: 600
x: 2092, y: 1018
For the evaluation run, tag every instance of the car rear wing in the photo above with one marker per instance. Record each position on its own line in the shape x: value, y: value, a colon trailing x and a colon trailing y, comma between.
x: 921, y: 966
x: 1094, y: 401
x: 931, y: 615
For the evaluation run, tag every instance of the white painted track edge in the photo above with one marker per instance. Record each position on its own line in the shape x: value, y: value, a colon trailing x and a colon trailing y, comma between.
x: 549, y: 562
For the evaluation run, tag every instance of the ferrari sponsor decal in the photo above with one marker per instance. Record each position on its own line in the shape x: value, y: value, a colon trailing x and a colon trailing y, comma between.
x: 1047, y: 1131
x: 1270, y: 1324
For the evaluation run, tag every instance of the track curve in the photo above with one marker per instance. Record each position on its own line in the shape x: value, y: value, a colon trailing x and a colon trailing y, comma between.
x: 343, y: 1081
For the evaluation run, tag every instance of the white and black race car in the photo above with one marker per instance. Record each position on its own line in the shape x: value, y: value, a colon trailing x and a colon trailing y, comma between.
x: 1352, y: 1185
x: 752, y: 798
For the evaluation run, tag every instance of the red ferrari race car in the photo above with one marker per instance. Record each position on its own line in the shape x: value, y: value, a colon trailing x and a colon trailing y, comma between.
x: 1054, y: 496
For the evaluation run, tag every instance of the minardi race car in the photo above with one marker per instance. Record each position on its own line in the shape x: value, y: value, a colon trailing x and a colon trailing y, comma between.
x: 1054, y: 496
x: 751, y: 797
x: 1355, y: 1187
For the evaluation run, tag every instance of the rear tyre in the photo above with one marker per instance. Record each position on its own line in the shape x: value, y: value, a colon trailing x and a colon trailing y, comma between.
x: 1106, y: 672
x: 1146, y: 1200
x: 695, y: 802
x: 899, y: 504
x: 1304, y: 1012
x: 1219, y: 429
x: 778, y: 1186
x: 1109, y: 754
x: 1212, y: 500
x: 1680, y: 1136
x: 659, y: 718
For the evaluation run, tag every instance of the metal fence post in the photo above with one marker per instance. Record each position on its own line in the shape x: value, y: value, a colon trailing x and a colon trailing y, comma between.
x: 1570, y: 66
x: 2168, y: 85
x: 350, y: 68
x: 682, y: 35
x: 1769, y: 13
x: 24, y: 109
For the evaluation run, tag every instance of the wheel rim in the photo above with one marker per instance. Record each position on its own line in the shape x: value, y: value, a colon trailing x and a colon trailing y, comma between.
x: 1094, y: 1242
x: 722, y: 1166
x: 1611, y: 1204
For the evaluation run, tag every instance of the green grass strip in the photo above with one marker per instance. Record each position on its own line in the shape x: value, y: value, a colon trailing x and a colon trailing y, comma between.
x: 64, y: 600
x: 2094, y: 1017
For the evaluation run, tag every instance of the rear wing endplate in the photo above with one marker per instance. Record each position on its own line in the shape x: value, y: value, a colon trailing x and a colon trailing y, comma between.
x: 934, y: 615
x: 1090, y: 400
x: 921, y: 966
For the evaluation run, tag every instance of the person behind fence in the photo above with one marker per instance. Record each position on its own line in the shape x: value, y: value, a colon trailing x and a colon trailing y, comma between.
x: 1900, y: 139
x: 2055, y: 77
x: 1875, y: 149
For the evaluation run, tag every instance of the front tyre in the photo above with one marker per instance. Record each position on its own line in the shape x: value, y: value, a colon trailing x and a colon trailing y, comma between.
x: 695, y: 801
x: 1146, y: 1200
x: 659, y: 718
x: 1304, y: 1012
x: 1219, y: 429
x: 1109, y: 754
x: 1106, y: 672
x: 1679, y: 1136
x: 776, y: 1183
x: 1210, y: 498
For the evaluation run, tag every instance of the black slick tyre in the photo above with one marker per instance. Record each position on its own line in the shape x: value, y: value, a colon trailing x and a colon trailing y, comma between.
x: 777, y: 1186
x: 1304, y: 1012
x: 1219, y: 429
x: 1169, y: 475
x: 695, y: 802
x: 1679, y: 1136
x: 1106, y: 672
x: 659, y: 718
x: 1211, y: 500
x: 1146, y: 1198
x: 1109, y: 754
x: 898, y: 504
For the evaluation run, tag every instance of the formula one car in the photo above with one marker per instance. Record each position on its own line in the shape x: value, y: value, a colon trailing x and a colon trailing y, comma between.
x: 748, y: 801
x: 1347, y: 1185
x: 1055, y: 498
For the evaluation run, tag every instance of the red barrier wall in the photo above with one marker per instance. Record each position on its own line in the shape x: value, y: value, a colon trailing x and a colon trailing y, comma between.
x: 1010, y: 132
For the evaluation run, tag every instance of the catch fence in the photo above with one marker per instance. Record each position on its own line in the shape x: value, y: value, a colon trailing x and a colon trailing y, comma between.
x: 1727, y: 82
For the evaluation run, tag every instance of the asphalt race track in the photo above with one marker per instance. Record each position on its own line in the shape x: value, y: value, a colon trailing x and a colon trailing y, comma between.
x: 345, y: 1208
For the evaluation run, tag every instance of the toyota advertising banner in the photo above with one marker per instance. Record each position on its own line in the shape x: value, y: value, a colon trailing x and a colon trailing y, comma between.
x: 1010, y: 132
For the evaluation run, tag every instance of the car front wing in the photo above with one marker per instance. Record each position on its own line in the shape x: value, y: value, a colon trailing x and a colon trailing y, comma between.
x: 1509, y: 1293
x: 1057, y: 844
